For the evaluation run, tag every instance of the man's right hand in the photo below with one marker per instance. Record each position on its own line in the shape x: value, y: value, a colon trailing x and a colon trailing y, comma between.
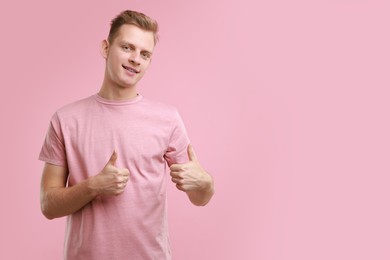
x: 57, y: 200
x: 111, y: 180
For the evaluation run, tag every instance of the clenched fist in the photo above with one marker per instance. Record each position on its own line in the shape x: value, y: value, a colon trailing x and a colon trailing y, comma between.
x: 111, y: 180
x: 190, y: 176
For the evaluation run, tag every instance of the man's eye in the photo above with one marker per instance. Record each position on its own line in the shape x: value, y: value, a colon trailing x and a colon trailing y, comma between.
x: 126, y: 48
x: 146, y: 55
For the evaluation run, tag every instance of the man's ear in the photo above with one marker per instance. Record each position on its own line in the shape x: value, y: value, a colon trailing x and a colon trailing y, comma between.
x: 105, y: 45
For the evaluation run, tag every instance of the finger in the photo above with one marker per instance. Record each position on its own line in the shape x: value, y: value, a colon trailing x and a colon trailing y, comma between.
x: 176, y: 167
x: 176, y: 180
x: 191, y: 153
x: 119, y: 192
x: 112, y: 159
x: 176, y: 175
x: 180, y: 187
x: 181, y: 167
x: 125, y: 172
x: 125, y: 179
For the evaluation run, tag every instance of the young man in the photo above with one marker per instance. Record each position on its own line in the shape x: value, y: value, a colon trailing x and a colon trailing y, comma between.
x: 106, y: 157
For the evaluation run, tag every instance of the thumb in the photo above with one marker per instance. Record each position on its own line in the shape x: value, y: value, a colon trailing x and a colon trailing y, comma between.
x: 191, y: 154
x: 112, y: 159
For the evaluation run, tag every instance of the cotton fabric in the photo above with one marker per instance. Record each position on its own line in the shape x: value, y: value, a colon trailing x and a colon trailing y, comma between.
x: 147, y: 136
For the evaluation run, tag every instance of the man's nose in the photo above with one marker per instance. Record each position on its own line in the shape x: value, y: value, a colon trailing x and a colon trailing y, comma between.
x: 135, y: 58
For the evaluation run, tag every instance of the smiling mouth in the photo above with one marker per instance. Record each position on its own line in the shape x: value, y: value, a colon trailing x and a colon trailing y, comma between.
x: 130, y: 69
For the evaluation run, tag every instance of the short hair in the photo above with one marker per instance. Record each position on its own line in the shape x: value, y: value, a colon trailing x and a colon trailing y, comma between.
x: 140, y: 20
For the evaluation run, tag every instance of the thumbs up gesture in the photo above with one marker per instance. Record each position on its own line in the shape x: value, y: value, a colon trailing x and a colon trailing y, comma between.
x: 190, y: 176
x: 111, y: 180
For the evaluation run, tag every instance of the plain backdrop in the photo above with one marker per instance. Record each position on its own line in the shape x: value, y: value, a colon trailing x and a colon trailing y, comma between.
x: 286, y: 104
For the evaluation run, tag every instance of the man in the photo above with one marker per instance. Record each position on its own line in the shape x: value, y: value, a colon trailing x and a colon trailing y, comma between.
x: 106, y: 157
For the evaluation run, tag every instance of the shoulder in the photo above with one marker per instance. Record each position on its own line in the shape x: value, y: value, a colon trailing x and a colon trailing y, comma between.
x: 158, y: 105
x: 74, y: 108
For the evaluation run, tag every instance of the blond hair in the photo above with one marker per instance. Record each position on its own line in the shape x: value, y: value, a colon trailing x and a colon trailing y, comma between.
x: 140, y: 20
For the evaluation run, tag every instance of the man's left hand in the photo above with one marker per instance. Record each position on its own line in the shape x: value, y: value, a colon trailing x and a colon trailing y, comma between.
x: 191, y: 176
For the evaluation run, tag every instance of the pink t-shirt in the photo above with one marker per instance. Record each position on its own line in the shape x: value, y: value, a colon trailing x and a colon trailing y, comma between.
x: 146, y: 136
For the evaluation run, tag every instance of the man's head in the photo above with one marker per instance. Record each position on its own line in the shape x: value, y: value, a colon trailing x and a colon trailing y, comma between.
x: 140, y: 20
x: 128, y: 49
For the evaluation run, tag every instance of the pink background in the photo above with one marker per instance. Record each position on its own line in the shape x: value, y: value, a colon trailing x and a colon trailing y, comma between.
x: 286, y: 103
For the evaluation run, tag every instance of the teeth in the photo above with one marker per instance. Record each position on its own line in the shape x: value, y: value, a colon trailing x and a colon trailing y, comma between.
x: 130, y: 69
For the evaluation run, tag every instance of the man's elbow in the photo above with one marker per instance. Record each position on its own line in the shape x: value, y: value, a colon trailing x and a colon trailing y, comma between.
x: 46, y: 209
x: 47, y: 214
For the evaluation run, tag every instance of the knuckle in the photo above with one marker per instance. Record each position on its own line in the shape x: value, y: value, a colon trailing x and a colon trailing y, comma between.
x: 115, y: 170
x: 118, y: 192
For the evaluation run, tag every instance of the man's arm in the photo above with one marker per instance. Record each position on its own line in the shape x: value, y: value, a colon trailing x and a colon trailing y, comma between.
x: 193, y: 179
x: 57, y: 200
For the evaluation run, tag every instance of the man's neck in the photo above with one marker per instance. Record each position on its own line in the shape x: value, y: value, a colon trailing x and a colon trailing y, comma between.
x: 117, y: 93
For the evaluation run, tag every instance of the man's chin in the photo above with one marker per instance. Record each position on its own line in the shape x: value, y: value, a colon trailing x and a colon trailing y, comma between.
x: 127, y: 85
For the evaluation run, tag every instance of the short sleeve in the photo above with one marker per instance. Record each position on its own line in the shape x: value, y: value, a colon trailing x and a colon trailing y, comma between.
x: 53, y: 149
x: 178, y: 143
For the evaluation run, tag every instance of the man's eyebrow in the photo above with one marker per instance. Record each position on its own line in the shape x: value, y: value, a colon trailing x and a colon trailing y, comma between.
x: 126, y: 42
x: 129, y: 43
x: 148, y: 52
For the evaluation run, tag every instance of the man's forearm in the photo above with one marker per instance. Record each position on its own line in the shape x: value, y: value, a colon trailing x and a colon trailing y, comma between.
x: 57, y: 200
x: 62, y: 201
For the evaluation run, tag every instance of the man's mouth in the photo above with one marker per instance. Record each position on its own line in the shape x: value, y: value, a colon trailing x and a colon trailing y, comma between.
x: 130, y: 69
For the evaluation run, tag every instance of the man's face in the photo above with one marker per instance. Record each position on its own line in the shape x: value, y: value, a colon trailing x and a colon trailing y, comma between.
x: 128, y: 56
